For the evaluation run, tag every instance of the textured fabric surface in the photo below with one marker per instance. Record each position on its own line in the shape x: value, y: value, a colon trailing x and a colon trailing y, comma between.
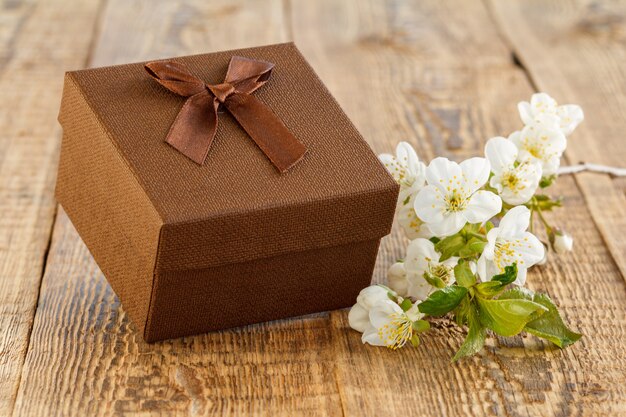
x: 236, y: 177
x: 191, y: 302
x: 184, y: 245
x: 109, y: 209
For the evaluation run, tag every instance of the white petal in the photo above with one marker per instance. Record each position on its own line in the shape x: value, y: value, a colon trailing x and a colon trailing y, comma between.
x: 419, y: 288
x: 381, y: 312
x: 514, y: 222
x: 531, y: 249
x: 515, y: 137
x: 570, y: 116
x: 501, y: 154
x: 486, y: 269
x: 419, y: 254
x: 358, y: 318
x: 557, y: 142
x: 490, y: 247
x: 548, y: 120
x: 496, y: 182
x: 412, y: 225
x: 482, y: 206
x: 476, y: 172
x: 481, y: 268
x: 407, y: 156
x: 451, y: 223
x: 370, y: 335
x: 371, y: 295
x: 390, y: 162
x: 551, y: 165
x: 429, y: 204
x: 525, y: 112
x: 396, y: 279
x: 517, y: 197
x: 542, y: 102
x: 441, y: 172
x: 521, y: 276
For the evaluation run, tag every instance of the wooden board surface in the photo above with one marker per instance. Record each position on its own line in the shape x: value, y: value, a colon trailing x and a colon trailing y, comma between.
x: 38, y: 42
x: 437, y: 74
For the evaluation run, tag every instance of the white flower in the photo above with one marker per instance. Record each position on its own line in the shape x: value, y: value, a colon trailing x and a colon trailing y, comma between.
x: 536, y: 143
x: 406, y: 169
x: 423, y: 260
x: 510, y: 243
x: 516, y: 183
x: 412, y: 225
x: 562, y: 242
x: 452, y: 197
x: 358, y: 317
x: 543, y: 110
x: 389, y: 325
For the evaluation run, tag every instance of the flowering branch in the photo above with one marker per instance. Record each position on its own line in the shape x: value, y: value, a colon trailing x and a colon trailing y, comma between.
x: 470, y: 249
x: 602, y: 169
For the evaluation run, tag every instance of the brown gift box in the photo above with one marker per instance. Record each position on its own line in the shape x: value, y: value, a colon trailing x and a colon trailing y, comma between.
x: 191, y: 248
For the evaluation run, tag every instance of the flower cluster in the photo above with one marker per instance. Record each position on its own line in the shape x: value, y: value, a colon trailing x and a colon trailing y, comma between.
x: 471, y: 231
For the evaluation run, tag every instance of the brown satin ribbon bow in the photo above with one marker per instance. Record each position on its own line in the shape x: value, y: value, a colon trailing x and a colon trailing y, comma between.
x: 194, y: 128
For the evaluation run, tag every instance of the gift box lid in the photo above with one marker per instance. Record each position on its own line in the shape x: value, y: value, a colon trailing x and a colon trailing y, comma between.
x: 236, y: 206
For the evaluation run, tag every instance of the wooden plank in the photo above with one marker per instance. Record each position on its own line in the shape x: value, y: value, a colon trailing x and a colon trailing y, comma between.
x: 85, y: 357
x: 34, y: 53
x: 438, y: 75
x: 432, y: 73
x: 575, y: 50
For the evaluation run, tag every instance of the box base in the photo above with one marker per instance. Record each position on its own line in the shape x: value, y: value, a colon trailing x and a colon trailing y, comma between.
x: 197, y: 301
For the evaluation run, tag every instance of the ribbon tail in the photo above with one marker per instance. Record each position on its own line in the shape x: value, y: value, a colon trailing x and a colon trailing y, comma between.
x: 194, y: 128
x: 267, y: 130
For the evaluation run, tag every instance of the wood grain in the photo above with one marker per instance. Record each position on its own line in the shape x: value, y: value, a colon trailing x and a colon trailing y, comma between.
x: 437, y: 74
x: 34, y: 53
x: 575, y: 50
x: 85, y: 357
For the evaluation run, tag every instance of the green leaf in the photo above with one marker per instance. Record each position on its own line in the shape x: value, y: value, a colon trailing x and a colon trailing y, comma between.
x: 489, y: 289
x: 550, y: 325
x: 520, y: 293
x: 475, y: 339
x: 406, y: 304
x: 509, y: 275
x: 442, y: 301
x: 507, y: 317
x: 464, y: 275
x: 449, y: 246
x: 488, y: 226
x: 461, y: 312
x: 406, y: 200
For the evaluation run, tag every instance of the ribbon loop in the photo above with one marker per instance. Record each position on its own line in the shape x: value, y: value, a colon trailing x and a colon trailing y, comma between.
x: 221, y: 91
x: 194, y: 128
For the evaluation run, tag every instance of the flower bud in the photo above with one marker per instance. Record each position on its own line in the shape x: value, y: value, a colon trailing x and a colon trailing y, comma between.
x: 561, y: 241
x: 371, y: 295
